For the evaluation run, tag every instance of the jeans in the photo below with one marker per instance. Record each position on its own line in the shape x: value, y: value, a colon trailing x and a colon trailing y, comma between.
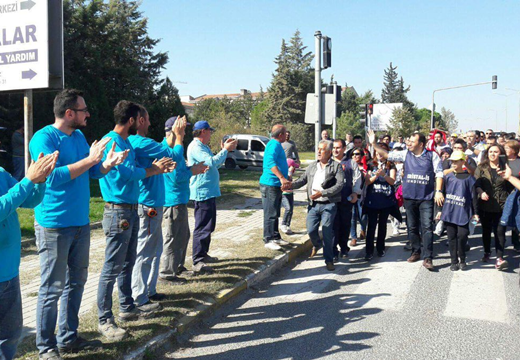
x: 515, y: 238
x: 376, y: 218
x: 420, y: 213
x: 457, y: 239
x: 149, y: 248
x: 121, y: 227
x: 64, y: 259
x: 324, y: 214
x: 288, y: 205
x: 205, y: 222
x: 10, y: 317
x: 491, y: 223
x: 175, y: 241
x: 357, y: 216
x: 342, y: 223
x: 271, y: 202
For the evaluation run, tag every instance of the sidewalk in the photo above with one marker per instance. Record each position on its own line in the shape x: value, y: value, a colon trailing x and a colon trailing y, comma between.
x: 236, y: 226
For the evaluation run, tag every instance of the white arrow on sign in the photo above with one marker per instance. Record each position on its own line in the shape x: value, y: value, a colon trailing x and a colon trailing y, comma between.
x: 27, y: 5
x: 29, y: 74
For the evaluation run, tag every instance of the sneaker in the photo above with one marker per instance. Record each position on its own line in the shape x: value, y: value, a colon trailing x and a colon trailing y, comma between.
x: 381, y: 253
x: 396, y: 232
x: 184, y: 272
x: 201, y: 267
x: 210, y: 259
x: 368, y: 257
x: 110, y: 330
x: 501, y: 264
x: 157, y: 297
x: 143, y: 311
x: 174, y: 280
x: 51, y: 355
x: 281, y: 242
x: 79, y: 344
x: 454, y: 267
x: 271, y: 245
x: 463, y: 266
x: 283, y: 228
x: 408, y: 246
x: 485, y: 258
x: 353, y: 242
x: 330, y: 266
x: 428, y: 264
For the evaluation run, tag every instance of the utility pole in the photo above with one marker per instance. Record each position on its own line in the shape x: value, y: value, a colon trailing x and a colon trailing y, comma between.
x: 317, y: 89
x: 335, y: 92
x: 27, y: 125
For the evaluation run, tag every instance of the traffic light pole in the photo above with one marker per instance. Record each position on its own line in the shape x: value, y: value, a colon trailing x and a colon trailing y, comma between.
x: 493, y: 82
x: 334, y: 118
x: 317, y: 90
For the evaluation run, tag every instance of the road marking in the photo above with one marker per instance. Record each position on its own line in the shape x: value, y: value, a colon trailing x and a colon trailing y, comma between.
x: 478, y: 294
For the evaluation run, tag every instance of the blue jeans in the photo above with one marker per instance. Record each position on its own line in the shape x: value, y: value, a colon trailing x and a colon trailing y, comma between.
x: 10, y: 317
x: 324, y: 214
x: 420, y: 213
x: 120, y: 256
x: 64, y: 258
x: 271, y: 202
x: 288, y: 205
x: 205, y: 222
x: 356, y: 216
x: 149, y: 250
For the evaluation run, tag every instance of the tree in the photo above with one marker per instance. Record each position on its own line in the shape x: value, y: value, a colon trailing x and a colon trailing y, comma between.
x: 449, y: 121
x: 349, y: 107
x: 403, y: 122
x: 394, y: 90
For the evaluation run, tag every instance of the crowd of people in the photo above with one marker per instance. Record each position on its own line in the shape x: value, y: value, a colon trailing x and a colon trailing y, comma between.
x: 445, y: 184
x: 457, y: 180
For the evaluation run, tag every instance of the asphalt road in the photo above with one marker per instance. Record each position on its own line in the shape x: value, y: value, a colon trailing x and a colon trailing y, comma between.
x: 385, y: 309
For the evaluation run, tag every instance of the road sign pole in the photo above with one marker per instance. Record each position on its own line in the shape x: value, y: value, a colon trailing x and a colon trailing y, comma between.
x: 335, y: 111
x: 27, y: 125
x: 317, y: 90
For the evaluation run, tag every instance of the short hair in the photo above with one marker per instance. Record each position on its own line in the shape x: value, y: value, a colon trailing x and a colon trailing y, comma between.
x: 343, y: 143
x: 125, y: 110
x: 462, y: 142
x: 326, y: 142
x: 196, y: 133
x: 359, y: 137
x: 492, y: 137
x: 514, y: 144
x: 387, y: 136
x: 66, y: 99
x: 420, y: 137
x: 277, y: 130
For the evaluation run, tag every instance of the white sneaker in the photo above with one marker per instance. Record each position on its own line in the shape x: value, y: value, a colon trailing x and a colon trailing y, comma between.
x: 289, y: 231
x: 271, y: 245
x: 281, y: 242
x: 283, y: 228
x: 396, y: 232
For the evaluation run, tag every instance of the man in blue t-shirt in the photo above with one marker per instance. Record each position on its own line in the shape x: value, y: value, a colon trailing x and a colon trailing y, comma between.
x: 120, y: 190
x: 13, y: 194
x: 62, y: 222
x: 274, y: 179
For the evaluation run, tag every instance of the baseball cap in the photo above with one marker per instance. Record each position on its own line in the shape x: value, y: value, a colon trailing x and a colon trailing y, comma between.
x: 168, y: 125
x: 201, y: 125
x: 458, y: 155
x: 454, y: 135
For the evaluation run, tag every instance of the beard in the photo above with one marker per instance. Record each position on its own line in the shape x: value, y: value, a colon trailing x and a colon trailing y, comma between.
x: 79, y: 125
x: 133, y: 129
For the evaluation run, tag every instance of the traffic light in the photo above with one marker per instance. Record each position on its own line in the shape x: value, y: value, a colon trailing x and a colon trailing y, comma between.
x: 494, y: 82
x: 363, y: 111
x: 370, y: 109
x: 327, y: 52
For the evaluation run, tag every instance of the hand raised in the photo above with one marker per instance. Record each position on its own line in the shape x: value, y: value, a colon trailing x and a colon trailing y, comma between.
x: 39, y: 170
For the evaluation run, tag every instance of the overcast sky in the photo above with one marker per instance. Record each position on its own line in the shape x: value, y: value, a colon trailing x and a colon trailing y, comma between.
x: 224, y: 46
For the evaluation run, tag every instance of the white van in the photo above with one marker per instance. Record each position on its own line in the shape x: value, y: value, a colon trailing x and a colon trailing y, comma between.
x: 249, y: 152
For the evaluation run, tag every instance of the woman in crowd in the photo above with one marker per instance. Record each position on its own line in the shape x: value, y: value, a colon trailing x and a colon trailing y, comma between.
x: 379, y: 201
x: 492, y: 191
x: 358, y: 156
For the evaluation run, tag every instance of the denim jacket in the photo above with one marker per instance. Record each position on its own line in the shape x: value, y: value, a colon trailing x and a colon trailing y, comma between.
x: 511, y: 215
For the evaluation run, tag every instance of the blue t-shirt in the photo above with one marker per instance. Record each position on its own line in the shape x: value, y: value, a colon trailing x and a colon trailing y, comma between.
x: 151, y: 189
x: 121, y: 184
x: 274, y: 155
x: 177, y: 183
x: 14, y: 194
x: 66, y: 201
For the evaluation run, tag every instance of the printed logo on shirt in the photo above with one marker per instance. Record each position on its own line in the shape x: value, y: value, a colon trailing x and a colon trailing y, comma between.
x: 455, y: 200
x: 418, y: 179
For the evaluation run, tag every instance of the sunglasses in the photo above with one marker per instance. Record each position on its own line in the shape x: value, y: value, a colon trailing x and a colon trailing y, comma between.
x: 356, y: 154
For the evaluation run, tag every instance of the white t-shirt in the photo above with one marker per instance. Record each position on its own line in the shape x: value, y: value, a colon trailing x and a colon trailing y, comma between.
x: 319, y: 178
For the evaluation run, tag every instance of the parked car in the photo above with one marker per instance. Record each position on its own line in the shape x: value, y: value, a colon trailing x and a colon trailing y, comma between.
x: 249, y: 152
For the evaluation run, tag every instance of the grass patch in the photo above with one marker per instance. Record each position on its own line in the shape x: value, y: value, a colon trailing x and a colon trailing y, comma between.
x: 307, y: 155
x: 244, y: 214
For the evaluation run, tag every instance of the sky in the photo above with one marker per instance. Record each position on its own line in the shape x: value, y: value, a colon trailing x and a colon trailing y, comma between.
x: 222, y: 46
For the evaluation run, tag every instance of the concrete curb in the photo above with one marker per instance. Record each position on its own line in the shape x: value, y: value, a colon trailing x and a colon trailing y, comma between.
x: 93, y: 226
x: 210, y: 305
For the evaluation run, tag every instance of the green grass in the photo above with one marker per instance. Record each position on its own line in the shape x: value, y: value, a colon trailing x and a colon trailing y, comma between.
x: 308, y: 155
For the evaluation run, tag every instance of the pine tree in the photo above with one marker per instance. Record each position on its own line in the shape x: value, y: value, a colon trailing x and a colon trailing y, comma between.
x: 394, y: 90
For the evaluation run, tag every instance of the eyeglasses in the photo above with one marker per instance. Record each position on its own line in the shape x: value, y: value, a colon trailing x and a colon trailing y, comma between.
x: 489, y: 133
x: 356, y: 154
x: 85, y: 110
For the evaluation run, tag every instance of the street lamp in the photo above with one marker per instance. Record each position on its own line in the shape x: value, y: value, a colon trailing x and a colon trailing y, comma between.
x: 493, y: 83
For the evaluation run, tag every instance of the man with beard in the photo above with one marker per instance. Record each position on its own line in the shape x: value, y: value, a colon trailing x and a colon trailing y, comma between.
x: 120, y: 190
x: 62, y: 222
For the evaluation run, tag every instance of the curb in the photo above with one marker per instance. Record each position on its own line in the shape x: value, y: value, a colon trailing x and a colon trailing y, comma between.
x: 29, y: 241
x: 201, y: 311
